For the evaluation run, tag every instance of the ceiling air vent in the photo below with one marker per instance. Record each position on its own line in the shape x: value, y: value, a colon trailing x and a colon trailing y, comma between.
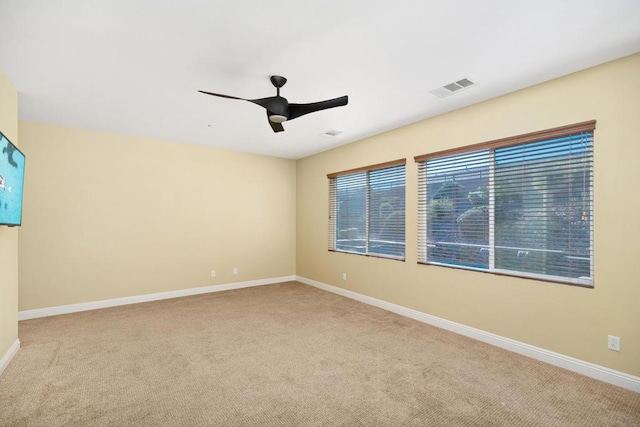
x: 452, y: 88
x: 331, y: 133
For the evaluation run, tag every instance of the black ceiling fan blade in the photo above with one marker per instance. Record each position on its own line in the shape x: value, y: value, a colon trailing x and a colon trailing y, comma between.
x: 222, y: 96
x: 263, y: 102
x: 297, y: 110
x: 277, y: 127
x: 273, y: 104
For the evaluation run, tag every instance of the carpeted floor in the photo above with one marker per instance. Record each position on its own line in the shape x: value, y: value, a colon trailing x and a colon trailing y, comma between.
x: 284, y: 355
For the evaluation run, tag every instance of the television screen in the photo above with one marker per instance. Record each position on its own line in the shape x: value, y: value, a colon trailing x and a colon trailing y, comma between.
x: 11, y: 182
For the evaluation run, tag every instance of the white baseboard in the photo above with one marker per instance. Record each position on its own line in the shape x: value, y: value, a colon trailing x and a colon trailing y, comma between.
x: 9, y: 355
x: 598, y: 372
x: 93, y: 305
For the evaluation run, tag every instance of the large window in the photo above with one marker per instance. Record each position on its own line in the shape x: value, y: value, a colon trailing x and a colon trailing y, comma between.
x: 367, y: 210
x: 520, y: 206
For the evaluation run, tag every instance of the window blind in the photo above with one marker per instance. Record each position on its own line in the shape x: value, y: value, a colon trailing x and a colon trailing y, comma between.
x: 367, y: 210
x: 519, y: 207
x: 543, y: 210
x: 457, y: 211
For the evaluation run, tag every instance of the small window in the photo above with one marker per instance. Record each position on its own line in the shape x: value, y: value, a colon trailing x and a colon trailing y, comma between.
x: 367, y: 210
x: 520, y: 206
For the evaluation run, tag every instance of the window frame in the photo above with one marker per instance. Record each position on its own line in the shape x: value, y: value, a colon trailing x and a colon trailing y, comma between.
x: 491, y: 146
x: 332, y: 242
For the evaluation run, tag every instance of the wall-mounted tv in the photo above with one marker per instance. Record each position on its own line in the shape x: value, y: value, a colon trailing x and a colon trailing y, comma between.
x: 11, y: 182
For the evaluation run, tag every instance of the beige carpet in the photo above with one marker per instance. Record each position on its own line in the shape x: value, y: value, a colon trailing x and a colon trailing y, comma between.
x: 285, y: 354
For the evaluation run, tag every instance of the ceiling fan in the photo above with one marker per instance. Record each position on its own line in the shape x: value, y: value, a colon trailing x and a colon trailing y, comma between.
x: 280, y: 110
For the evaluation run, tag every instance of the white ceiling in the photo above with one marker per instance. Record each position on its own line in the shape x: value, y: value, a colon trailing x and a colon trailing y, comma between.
x: 134, y: 66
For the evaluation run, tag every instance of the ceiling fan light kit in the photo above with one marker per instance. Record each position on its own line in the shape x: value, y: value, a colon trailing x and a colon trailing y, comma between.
x: 280, y: 110
x: 276, y: 118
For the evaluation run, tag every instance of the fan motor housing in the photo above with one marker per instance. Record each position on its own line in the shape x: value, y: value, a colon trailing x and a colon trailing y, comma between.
x: 278, y: 106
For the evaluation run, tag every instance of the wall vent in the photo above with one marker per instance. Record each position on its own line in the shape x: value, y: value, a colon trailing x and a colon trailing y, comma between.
x: 451, y: 88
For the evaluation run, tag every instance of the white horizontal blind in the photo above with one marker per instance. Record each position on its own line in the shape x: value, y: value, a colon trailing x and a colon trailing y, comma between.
x: 367, y: 211
x: 422, y: 212
x: 387, y: 212
x: 333, y: 211
x: 457, y: 211
x: 350, y: 219
x: 543, y: 208
x: 522, y: 209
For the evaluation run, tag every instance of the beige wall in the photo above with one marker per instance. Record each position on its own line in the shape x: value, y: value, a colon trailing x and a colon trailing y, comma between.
x: 108, y: 216
x: 8, y: 236
x: 570, y: 320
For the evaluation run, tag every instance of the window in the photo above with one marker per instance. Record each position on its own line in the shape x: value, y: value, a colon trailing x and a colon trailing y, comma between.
x: 521, y: 206
x: 367, y: 210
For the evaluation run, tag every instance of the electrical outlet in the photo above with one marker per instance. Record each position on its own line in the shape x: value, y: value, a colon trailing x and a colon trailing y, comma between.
x: 213, y: 273
x: 344, y: 276
x: 614, y: 343
x: 235, y: 270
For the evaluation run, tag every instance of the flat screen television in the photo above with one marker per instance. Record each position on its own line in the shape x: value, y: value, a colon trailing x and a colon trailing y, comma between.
x: 11, y: 183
